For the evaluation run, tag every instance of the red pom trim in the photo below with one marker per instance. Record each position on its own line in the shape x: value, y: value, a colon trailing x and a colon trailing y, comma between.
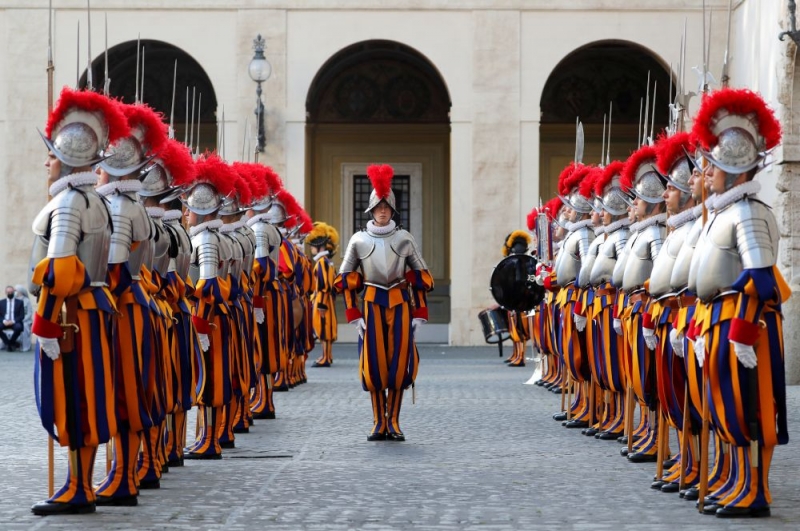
x: 177, y: 160
x: 575, y: 179
x: 647, y: 321
x: 155, y: 130
x: 258, y: 301
x: 201, y: 325
x: 44, y: 328
x: 613, y: 168
x: 420, y: 313
x: 735, y: 101
x: 273, y: 181
x: 244, y: 172
x: 380, y: 175
x: 564, y: 176
x: 670, y: 149
x: 586, y: 185
x: 743, y: 332
x: 352, y: 314
x: 215, y: 171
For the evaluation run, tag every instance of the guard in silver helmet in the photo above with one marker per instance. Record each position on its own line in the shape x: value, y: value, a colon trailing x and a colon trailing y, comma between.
x: 138, y: 403
x: 383, y: 260
x: 73, y: 318
x: 646, y: 238
x: 267, y: 294
x: 739, y: 325
x: 675, y: 167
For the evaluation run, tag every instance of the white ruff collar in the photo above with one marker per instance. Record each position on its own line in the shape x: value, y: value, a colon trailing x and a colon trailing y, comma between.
x: 208, y: 225
x: 380, y: 231
x: 681, y: 218
x: 641, y: 225
x: 171, y: 215
x: 257, y: 219
x: 573, y: 227
x: 83, y: 178
x: 227, y: 228
x: 132, y: 185
x: 736, y: 194
x: 320, y: 255
x: 239, y: 224
x: 155, y: 212
x: 599, y: 230
x: 616, y: 225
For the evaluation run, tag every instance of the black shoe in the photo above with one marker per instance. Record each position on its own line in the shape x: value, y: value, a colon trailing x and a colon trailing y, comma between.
x: 622, y: 439
x: 507, y: 360
x: 691, y: 494
x: 608, y: 436
x: 559, y: 416
x: 590, y: 432
x: 556, y: 389
x: 623, y: 451
x: 201, y: 457
x: 711, y: 509
x: 669, y: 463
x: 671, y: 487
x: 47, y: 508
x: 149, y: 484
x: 10, y: 348
x: 376, y: 437
x: 118, y: 501
x: 175, y: 462
x: 656, y: 485
x: 318, y: 364
x: 241, y: 430
x: 639, y: 457
x: 266, y: 415
x: 742, y: 512
x: 281, y: 389
x: 227, y: 445
x: 576, y: 424
x: 516, y: 364
x: 540, y: 383
x: 398, y: 437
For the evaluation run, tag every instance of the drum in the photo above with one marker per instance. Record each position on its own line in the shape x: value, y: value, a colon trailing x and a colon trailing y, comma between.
x: 495, y: 325
x: 513, y: 283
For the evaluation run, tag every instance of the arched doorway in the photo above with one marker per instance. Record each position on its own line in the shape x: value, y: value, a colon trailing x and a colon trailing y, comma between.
x: 582, y: 85
x: 382, y: 101
x: 156, y: 86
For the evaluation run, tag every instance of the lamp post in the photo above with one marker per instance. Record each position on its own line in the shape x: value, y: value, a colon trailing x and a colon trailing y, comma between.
x: 259, y: 71
x: 792, y: 33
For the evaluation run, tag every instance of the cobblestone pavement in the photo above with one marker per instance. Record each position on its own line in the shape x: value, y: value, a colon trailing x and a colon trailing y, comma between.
x: 482, y: 453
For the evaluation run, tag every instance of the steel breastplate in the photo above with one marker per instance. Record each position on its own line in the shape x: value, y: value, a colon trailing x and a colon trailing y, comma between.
x: 603, y: 268
x: 568, y: 264
x: 680, y: 271
x: 639, y: 261
x: 665, y: 262
x: 584, y: 277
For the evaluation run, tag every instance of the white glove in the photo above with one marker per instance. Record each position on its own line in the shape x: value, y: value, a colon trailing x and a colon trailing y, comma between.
x: 700, y: 350
x: 259, y: 315
x: 676, y: 339
x: 618, y: 327
x: 360, y: 325
x: 205, y: 343
x: 650, y: 338
x: 416, y: 322
x: 745, y: 353
x: 580, y: 322
x: 50, y: 347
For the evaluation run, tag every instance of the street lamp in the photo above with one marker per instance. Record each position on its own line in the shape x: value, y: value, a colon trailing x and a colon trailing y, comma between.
x: 259, y: 71
x: 792, y: 32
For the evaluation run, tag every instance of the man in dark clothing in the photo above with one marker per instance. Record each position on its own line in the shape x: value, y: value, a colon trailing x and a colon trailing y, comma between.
x: 13, y: 313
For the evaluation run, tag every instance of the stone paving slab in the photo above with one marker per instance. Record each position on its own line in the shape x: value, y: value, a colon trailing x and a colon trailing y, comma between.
x: 482, y: 453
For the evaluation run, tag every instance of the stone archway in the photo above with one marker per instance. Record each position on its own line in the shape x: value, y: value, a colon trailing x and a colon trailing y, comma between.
x: 383, y: 101
x: 582, y: 85
x: 159, y: 64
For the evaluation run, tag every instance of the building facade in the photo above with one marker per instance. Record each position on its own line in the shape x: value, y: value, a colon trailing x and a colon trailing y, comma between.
x: 474, y: 102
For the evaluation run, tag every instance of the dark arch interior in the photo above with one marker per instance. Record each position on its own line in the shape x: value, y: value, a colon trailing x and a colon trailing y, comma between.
x: 159, y: 65
x: 584, y: 82
x: 378, y: 82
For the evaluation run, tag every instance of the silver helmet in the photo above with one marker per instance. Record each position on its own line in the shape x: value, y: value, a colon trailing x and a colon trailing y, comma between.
x: 648, y: 185
x: 276, y: 213
x: 260, y: 204
x: 374, y: 200
x: 579, y: 203
x: 156, y: 180
x: 124, y: 157
x: 740, y: 146
x: 203, y: 199
x: 615, y: 200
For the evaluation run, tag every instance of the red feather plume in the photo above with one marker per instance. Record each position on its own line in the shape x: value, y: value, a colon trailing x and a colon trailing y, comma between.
x: 564, y: 176
x: 214, y: 170
x: 273, y: 181
x: 670, y: 149
x: 155, y: 130
x: 735, y: 101
x: 91, y: 102
x: 177, y: 160
x: 380, y: 175
x: 531, y: 219
x: 552, y: 207
x: 242, y: 189
x: 603, y: 180
x: 586, y: 184
x: 641, y: 156
x: 306, y: 224
x: 291, y: 205
x: 254, y: 179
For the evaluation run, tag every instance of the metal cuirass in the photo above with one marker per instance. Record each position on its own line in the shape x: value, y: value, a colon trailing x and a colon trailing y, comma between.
x: 587, y: 264
x: 267, y: 240
x: 665, y: 262
x: 160, y: 248
x: 131, y: 224
x: 607, y: 255
x: 246, y: 238
x: 680, y: 272
x: 645, y: 247
x: 225, y: 255
x: 205, y: 261
x: 236, y: 256
x: 743, y: 235
x: 573, y: 251
x: 74, y: 223
x: 382, y: 258
x: 183, y: 253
